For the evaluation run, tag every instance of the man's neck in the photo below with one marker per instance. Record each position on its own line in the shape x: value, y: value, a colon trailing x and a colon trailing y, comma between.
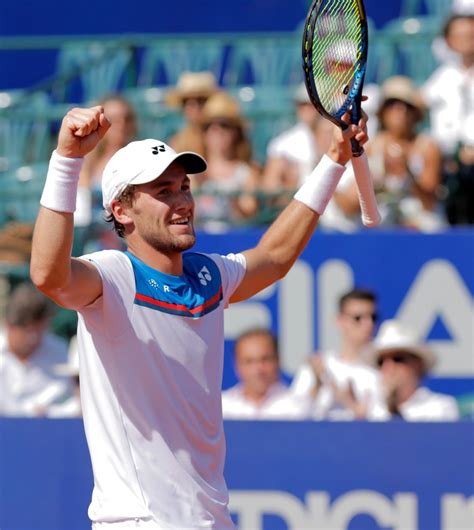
x: 167, y: 263
x: 350, y: 352
x: 255, y: 397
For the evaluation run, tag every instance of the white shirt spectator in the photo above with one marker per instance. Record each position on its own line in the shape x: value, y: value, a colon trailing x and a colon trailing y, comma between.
x: 279, y: 404
x: 364, y: 380
x: 29, y: 388
x: 424, y: 405
x: 298, y: 146
x: 449, y: 93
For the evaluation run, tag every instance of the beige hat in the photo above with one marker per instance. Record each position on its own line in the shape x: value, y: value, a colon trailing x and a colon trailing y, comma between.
x: 402, y: 89
x: 192, y: 85
x: 394, y: 336
x: 222, y: 106
x: 141, y: 162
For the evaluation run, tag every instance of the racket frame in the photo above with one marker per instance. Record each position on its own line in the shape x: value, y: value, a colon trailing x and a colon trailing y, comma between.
x: 354, y: 97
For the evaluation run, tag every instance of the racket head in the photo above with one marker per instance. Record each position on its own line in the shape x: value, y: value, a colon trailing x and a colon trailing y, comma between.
x: 335, y: 47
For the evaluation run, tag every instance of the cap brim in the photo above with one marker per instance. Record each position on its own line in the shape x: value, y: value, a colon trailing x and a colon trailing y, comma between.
x: 192, y: 163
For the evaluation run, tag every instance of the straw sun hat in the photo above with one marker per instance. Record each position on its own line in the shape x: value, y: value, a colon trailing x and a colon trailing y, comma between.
x: 222, y: 106
x: 401, y: 88
x: 192, y: 85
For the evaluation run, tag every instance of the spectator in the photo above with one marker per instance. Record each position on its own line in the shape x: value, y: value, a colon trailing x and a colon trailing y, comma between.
x: 260, y: 394
x: 190, y: 95
x: 343, y: 385
x: 71, y: 407
x: 28, y: 354
x: 292, y: 155
x: 403, y: 361
x: 227, y: 189
x: 122, y: 116
x: 406, y: 164
x: 449, y: 94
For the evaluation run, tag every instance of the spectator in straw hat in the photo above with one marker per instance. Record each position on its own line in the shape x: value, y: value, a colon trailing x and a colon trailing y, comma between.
x: 406, y: 164
x: 403, y: 360
x: 190, y: 95
x: 227, y: 188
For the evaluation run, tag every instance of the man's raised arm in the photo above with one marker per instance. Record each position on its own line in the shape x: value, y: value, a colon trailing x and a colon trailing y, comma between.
x: 288, y: 235
x: 70, y: 282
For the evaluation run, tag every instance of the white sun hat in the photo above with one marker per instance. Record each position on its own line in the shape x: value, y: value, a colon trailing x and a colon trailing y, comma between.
x: 141, y: 162
x: 397, y: 336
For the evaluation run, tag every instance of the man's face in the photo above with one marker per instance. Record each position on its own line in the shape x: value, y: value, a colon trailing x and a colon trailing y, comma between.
x: 461, y: 37
x: 357, y: 322
x: 163, y: 212
x: 23, y: 340
x: 257, y: 363
x: 399, y: 368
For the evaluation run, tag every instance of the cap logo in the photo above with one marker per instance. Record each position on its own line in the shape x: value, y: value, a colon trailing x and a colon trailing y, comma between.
x: 158, y: 149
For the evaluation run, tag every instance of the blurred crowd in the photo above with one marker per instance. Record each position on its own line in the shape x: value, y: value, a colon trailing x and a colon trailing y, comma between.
x: 421, y: 150
x: 365, y: 378
x: 421, y: 155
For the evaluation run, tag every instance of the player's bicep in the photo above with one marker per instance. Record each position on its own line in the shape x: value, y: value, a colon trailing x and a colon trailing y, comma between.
x: 84, y: 287
x: 260, y: 273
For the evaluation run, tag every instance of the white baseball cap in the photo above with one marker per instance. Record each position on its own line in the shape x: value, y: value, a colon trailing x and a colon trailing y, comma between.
x: 141, y: 162
x: 394, y: 335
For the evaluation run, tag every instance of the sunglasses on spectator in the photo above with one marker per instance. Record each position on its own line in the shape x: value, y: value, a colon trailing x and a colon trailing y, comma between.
x: 357, y: 317
x: 199, y: 100
x: 398, y: 358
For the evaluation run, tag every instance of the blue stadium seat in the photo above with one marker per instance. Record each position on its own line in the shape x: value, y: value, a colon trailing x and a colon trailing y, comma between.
x: 24, y: 128
x: 21, y: 192
x: 269, y: 61
x: 406, y: 48
x: 165, y: 60
x: 102, y: 67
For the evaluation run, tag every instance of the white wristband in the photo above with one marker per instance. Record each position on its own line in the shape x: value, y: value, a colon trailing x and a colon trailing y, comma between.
x: 60, y: 189
x: 319, y: 187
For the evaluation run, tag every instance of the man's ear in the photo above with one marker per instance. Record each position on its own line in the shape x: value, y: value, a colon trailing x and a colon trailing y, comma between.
x: 120, y: 212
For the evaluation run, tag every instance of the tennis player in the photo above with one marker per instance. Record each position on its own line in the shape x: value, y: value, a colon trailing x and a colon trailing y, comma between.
x: 150, y: 332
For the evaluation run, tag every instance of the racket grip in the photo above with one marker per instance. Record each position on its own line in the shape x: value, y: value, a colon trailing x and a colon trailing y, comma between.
x: 368, y: 203
x: 357, y: 149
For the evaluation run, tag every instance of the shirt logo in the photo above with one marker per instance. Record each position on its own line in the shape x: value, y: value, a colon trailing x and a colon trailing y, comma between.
x: 153, y: 283
x: 204, y: 276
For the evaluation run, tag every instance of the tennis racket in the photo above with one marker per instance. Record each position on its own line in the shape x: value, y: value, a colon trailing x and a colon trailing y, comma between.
x: 335, y: 45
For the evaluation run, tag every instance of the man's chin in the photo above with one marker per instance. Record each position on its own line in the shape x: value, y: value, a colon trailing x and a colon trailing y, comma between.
x: 185, y: 242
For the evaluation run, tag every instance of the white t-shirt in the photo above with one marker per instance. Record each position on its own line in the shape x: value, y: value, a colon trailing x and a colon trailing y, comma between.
x: 279, y: 404
x: 424, y: 405
x: 297, y: 145
x: 365, y: 383
x: 29, y: 388
x: 151, y: 358
x: 449, y: 93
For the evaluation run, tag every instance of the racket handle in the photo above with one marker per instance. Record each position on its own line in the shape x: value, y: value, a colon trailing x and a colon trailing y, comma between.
x: 357, y: 149
x: 368, y: 203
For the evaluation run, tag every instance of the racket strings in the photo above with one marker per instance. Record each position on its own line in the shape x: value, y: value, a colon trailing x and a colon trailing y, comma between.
x: 336, y: 53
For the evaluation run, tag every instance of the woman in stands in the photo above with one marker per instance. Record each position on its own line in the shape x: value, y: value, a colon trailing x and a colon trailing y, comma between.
x: 226, y: 192
x: 406, y: 163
